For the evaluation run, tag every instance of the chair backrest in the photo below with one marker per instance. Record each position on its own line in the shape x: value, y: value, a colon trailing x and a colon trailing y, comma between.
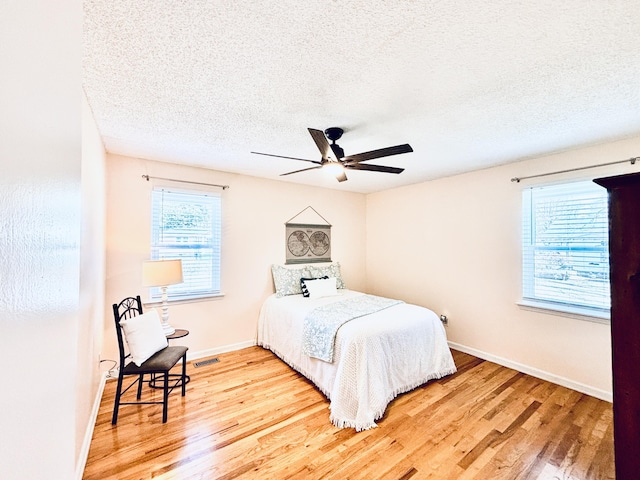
x: 127, y: 308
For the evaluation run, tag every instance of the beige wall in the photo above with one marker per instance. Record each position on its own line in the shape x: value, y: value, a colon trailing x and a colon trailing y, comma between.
x: 254, y: 213
x: 92, y: 271
x: 458, y: 253
x: 456, y: 249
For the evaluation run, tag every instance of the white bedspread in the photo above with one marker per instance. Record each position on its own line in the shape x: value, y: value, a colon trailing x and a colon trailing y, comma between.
x: 376, y: 357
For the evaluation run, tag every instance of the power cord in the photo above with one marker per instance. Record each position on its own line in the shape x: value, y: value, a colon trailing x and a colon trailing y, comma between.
x: 113, y: 371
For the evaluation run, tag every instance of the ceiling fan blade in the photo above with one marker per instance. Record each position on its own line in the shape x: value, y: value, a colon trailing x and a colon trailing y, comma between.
x: 303, y: 170
x: 374, y: 168
x: 323, y: 145
x: 290, y: 158
x: 382, y: 152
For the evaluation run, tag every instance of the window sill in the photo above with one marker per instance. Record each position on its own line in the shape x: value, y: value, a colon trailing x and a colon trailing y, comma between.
x: 179, y: 301
x: 579, y: 313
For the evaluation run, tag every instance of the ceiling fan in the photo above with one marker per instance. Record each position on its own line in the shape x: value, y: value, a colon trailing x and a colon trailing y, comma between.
x: 333, y: 156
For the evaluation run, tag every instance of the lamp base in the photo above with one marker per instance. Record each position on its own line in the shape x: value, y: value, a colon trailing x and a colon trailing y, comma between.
x: 167, y: 329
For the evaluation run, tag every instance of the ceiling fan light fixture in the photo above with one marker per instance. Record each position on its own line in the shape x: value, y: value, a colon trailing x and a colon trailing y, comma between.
x: 333, y: 168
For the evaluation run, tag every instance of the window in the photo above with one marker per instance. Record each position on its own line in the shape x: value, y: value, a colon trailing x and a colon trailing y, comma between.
x: 566, y: 249
x: 186, y: 225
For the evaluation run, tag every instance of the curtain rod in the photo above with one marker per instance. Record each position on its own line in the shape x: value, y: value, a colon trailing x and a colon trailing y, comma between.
x: 223, y: 187
x: 632, y: 160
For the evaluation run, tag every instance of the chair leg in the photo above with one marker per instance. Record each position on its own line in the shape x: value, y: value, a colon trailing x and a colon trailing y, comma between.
x: 166, y: 397
x: 116, y: 406
x: 184, y: 374
x: 140, y: 382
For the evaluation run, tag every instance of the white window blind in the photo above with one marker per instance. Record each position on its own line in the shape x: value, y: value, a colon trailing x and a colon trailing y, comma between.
x: 186, y: 225
x: 565, y: 245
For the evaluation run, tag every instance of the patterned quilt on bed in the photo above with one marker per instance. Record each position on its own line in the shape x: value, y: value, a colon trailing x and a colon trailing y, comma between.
x: 322, y: 323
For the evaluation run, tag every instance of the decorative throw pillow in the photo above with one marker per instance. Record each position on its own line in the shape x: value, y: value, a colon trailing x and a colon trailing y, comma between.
x: 287, y: 280
x: 303, y: 285
x: 144, y: 335
x: 322, y: 287
x: 332, y: 270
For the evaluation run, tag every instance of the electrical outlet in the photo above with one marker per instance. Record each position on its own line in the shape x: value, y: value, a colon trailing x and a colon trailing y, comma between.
x: 444, y: 319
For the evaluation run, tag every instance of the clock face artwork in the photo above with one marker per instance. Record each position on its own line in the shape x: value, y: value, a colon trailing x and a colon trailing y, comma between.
x: 308, y: 243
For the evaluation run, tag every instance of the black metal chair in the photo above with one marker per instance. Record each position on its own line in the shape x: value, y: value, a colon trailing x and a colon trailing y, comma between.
x: 157, y: 366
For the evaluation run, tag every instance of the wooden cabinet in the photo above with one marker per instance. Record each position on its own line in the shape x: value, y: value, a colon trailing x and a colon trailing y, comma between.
x: 624, y: 252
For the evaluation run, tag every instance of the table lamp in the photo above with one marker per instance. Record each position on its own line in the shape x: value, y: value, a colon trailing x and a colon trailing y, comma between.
x: 162, y: 273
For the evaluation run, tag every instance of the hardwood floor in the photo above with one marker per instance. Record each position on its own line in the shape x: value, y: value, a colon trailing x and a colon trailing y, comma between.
x: 251, y: 416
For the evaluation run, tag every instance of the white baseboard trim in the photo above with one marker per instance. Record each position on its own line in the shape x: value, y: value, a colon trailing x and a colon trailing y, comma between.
x: 88, y: 435
x: 218, y: 350
x: 534, y: 372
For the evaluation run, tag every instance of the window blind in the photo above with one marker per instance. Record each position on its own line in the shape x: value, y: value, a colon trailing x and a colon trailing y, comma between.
x: 186, y: 225
x: 565, y: 245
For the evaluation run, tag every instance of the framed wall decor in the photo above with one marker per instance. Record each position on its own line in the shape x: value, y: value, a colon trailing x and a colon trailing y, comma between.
x: 307, y: 243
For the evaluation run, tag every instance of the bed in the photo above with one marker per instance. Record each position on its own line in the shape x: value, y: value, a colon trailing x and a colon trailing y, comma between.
x: 373, y: 357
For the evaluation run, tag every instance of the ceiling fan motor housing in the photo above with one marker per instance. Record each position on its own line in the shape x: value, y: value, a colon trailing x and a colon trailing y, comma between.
x: 337, y: 150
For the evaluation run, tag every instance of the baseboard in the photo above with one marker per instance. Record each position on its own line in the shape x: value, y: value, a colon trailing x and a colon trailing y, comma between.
x: 534, y: 372
x: 218, y: 350
x: 88, y: 435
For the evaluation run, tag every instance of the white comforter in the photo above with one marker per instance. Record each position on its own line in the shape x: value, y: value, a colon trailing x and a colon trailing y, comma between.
x: 376, y: 357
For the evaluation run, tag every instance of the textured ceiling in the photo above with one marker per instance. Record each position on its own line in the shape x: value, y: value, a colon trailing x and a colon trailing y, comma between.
x: 468, y: 84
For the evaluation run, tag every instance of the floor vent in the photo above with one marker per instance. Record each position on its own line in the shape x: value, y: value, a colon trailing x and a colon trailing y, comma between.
x: 208, y: 361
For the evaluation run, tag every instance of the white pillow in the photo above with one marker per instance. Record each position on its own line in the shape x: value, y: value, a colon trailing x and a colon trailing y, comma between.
x: 321, y: 287
x: 144, y: 336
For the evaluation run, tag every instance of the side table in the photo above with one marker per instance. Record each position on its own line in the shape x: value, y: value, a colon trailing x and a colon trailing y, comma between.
x: 179, y: 333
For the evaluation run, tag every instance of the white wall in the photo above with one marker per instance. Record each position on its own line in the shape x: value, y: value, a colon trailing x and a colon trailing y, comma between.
x: 253, y: 237
x: 40, y: 234
x: 455, y: 246
x: 92, y: 273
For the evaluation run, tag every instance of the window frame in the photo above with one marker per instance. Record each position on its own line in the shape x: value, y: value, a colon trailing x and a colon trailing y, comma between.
x: 155, y: 250
x: 528, y: 299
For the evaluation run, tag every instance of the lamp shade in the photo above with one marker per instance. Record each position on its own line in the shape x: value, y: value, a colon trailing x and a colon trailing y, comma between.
x: 160, y: 273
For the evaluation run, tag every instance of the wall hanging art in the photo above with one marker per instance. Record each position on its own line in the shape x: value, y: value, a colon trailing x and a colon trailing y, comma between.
x: 306, y: 239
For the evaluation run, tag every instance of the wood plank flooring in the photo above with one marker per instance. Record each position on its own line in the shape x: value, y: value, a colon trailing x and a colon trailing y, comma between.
x: 251, y: 416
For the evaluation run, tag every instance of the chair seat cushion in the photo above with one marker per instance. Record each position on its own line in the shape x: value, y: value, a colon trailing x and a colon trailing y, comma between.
x: 160, y: 361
